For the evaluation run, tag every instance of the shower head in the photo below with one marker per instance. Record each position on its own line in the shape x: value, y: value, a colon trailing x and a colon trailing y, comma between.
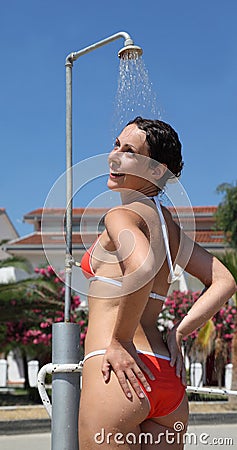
x: 130, y: 52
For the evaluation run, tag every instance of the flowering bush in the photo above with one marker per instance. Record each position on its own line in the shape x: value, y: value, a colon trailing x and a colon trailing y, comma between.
x: 225, y: 323
x: 177, y: 306
x: 42, y: 304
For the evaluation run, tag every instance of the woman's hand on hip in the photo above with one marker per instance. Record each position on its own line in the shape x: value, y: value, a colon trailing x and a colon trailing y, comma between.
x: 176, y: 358
x: 122, y: 358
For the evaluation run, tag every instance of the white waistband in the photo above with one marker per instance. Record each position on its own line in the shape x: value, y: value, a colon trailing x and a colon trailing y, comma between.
x: 106, y: 280
x: 144, y: 352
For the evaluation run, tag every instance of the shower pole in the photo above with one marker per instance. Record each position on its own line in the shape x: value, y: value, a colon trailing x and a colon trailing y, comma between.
x: 66, y: 335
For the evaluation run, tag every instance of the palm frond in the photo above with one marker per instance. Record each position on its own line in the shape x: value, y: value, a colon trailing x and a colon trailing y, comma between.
x: 18, y: 262
x: 204, y: 341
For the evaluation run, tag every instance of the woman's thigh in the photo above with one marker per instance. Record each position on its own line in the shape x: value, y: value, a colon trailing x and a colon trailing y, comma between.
x: 105, y: 410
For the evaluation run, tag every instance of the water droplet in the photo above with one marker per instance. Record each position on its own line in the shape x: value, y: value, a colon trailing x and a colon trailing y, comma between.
x: 135, y: 94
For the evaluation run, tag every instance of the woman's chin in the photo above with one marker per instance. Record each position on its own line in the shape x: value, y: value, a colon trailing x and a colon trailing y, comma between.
x: 113, y: 186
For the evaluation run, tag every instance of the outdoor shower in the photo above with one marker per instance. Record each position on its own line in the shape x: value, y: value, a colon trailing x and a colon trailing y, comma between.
x: 66, y: 335
x: 129, y: 51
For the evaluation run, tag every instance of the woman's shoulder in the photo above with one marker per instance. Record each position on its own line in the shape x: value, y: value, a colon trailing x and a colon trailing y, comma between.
x: 122, y: 213
x: 134, y: 216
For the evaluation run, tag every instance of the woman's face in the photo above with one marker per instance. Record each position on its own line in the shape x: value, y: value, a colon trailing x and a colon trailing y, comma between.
x: 129, y: 161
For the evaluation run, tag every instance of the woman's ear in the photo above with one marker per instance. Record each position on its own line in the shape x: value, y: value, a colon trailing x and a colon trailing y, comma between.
x: 159, y: 171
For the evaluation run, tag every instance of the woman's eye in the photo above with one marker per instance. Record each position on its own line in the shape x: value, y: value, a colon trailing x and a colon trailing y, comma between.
x: 129, y: 150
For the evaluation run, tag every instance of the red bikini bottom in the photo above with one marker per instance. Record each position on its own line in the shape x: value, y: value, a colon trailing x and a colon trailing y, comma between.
x: 167, y: 391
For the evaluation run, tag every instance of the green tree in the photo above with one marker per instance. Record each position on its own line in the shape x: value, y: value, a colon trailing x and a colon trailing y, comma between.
x: 229, y: 259
x: 226, y: 214
x: 16, y: 261
x: 226, y: 220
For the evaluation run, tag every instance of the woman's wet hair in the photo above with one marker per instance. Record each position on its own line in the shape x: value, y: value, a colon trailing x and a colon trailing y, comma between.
x: 163, y: 142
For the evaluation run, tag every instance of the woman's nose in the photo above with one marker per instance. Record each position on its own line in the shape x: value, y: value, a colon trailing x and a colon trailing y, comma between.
x: 114, y: 159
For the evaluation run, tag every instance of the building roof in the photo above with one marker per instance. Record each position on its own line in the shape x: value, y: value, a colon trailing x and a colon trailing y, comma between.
x: 37, y: 213
x: 7, y: 229
x: 79, y: 211
x: 207, y: 238
x: 57, y: 240
x: 213, y: 237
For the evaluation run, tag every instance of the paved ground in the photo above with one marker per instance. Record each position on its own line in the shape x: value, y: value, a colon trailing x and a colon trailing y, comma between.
x: 39, y: 412
x: 28, y: 427
x: 24, y: 442
x: 212, y: 436
x: 202, y: 438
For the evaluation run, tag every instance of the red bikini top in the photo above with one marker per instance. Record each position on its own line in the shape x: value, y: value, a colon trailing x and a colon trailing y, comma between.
x: 88, y: 272
x: 86, y: 262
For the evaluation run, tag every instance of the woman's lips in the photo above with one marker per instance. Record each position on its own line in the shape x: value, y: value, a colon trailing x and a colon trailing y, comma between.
x: 116, y: 174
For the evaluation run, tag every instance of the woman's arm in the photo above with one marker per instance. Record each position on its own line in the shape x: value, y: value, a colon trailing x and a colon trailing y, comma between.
x: 137, y: 263
x: 220, y: 286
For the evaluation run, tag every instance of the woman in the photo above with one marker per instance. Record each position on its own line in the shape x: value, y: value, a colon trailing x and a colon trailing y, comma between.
x: 133, y: 390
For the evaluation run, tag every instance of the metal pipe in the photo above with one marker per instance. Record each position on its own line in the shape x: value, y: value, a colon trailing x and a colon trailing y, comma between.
x: 68, y: 257
x: 65, y: 387
x: 121, y: 34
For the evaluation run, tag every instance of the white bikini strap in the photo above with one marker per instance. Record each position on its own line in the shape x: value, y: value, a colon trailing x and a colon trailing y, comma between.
x: 157, y: 296
x: 166, y: 239
x: 106, y: 280
x: 94, y: 353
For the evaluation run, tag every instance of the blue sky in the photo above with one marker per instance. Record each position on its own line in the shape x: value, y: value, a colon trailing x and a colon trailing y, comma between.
x: 189, y: 52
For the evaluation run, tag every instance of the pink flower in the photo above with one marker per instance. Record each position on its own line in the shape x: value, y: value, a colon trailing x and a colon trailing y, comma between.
x: 44, y: 325
x: 228, y: 336
x: 229, y: 318
x: 50, y: 270
x: 42, y: 271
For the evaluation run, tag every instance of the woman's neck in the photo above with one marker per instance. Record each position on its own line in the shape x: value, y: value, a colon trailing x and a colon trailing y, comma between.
x: 129, y: 195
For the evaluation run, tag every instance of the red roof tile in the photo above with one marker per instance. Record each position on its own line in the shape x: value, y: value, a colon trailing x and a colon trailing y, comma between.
x: 55, y: 239
x: 79, y: 211
x: 210, y: 237
x: 58, y: 239
x: 62, y: 211
x: 207, y: 210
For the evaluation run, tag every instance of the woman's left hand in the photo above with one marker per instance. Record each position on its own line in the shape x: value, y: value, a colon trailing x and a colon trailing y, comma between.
x: 122, y: 358
x: 174, y: 340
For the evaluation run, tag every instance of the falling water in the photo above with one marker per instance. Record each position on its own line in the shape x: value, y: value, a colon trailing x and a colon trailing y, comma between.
x: 135, y: 94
